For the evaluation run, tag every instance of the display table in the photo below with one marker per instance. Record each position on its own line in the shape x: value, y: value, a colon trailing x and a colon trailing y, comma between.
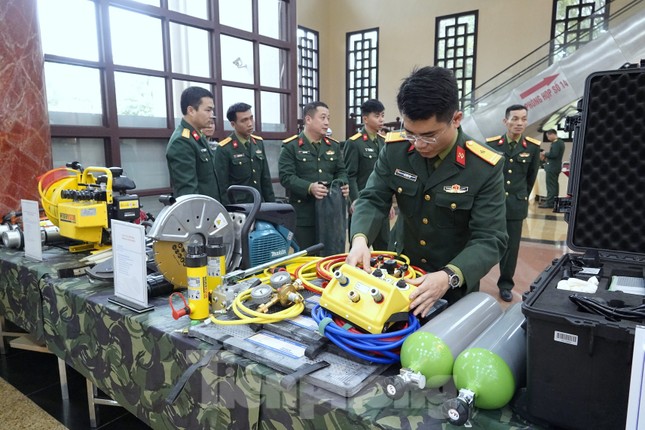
x: 138, y: 358
x: 539, y: 189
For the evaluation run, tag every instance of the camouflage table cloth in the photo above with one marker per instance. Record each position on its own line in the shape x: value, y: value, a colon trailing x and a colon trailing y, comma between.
x: 137, y: 359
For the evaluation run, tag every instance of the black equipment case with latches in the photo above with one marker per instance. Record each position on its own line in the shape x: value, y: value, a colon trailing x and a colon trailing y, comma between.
x: 579, y: 361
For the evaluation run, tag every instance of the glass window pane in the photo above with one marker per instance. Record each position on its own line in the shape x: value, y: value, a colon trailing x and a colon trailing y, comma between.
x: 150, y: 2
x: 274, y: 111
x: 273, y: 72
x: 177, y: 88
x: 140, y: 100
x: 88, y: 152
x: 236, y: 13
x: 69, y: 29
x: 272, y: 17
x: 197, y: 8
x: 232, y: 95
x: 146, y: 49
x: 73, y: 95
x: 190, y: 50
x: 144, y: 161
x: 237, y: 60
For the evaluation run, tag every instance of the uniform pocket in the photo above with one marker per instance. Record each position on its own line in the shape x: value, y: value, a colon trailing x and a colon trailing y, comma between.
x: 452, y: 210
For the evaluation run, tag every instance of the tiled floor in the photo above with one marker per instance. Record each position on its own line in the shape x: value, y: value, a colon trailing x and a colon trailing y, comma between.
x: 36, y: 374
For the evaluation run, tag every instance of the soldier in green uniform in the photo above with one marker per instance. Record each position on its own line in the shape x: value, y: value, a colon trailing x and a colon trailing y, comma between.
x: 308, y: 163
x: 361, y: 151
x: 522, y: 161
x: 449, y: 190
x: 552, y: 167
x: 240, y: 158
x: 188, y: 155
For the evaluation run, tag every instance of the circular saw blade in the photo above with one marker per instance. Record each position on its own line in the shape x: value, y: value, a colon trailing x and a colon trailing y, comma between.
x: 169, y: 257
x: 193, y: 218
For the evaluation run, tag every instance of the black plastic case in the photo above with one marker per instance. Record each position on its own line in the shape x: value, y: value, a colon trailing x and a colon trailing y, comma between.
x: 579, y: 363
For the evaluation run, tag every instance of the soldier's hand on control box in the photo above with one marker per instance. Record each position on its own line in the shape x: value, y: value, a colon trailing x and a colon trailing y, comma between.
x: 359, y: 253
x: 430, y: 288
x: 318, y: 190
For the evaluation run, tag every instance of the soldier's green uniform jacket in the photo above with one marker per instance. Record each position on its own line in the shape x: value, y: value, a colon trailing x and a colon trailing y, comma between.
x: 302, y: 163
x: 243, y: 163
x: 521, y: 167
x: 452, y: 215
x: 361, y: 153
x: 554, y: 156
x: 190, y: 163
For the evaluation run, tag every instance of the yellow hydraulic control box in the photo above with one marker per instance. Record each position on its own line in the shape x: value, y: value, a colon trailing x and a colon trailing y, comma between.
x: 82, y: 221
x: 371, y: 302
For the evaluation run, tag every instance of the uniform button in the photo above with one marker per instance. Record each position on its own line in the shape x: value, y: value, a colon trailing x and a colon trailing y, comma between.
x: 506, y: 193
x: 425, y: 220
x: 370, y: 156
x: 299, y: 201
x: 319, y: 170
x: 255, y: 182
x: 304, y: 159
x: 453, y: 206
x: 509, y: 171
x: 427, y: 197
x: 399, y: 190
x: 508, y: 182
x: 331, y: 159
x: 526, y: 198
x: 422, y: 242
x: 319, y: 159
x: 253, y: 170
x: 424, y: 261
x: 511, y: 160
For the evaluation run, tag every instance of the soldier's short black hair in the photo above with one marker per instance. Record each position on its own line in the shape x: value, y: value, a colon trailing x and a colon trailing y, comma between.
x: 310, y: 108
x: 372, y: 106
x: 192, y: 96
x: 552, y: 131
x: 231, y: 113
x: 514, y: 107
x: 429, y: 92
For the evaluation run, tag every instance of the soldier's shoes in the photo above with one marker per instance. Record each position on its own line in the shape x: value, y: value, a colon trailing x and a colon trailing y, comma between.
x: 506, y: 295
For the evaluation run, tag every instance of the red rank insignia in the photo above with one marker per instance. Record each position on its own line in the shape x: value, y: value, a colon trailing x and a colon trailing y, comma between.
x: 364, y: 136
x: 523, y: 143
x: 196, y: 135
x: 253, y: 140
x: 411, y: 148
x: 327, y: 141
x: 501, y: 141
x: 235, y: 144
x: 300, y: 142
x: 461, y: 156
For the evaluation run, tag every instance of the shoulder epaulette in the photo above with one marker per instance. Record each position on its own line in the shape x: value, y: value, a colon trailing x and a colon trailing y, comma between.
x: 493, y: 139
x: 394, y: 136
x: 533, y: 140
x: 356, y: 136
x: 185, y: 133
x: 483, y: 152
x: 225, y: 141
x: 289, y: 139
x: 256, y: 137
x: 332, y: 139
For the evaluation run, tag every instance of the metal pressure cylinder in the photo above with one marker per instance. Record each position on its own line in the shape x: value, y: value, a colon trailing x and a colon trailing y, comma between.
x: 196, y: 273
x: 488, y: 371
x: 432, y: 349
x: 216, y: 268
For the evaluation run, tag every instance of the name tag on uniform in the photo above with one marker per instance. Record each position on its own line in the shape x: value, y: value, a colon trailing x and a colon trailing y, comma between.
x: 369, y: 149
x: 330, y: 152
x: 203, y: 149
x: 303, y: 152
x: 258, y: 151
x: 525, y: 154
x: 238, y: 155
x: 405, y: 175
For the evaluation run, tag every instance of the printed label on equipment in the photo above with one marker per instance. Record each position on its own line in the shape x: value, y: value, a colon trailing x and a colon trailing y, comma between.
x: 278, y: 344
x: 570, y: 339
x: 88, y: 212
x: 304, y: 322
x: 220, y: 221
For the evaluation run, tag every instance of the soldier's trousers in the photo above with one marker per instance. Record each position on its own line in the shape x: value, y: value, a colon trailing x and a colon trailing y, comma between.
x: 552, y: 187
x: 509, y: 259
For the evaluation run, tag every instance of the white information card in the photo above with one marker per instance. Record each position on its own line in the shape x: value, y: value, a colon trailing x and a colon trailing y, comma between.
x: 31, y: 230
x: 129, y: 258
